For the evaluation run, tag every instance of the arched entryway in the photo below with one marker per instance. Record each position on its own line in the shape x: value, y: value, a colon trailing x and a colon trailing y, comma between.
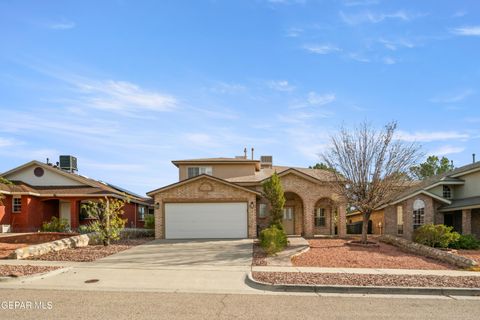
x: 293, y: 214
x: 324, y: 217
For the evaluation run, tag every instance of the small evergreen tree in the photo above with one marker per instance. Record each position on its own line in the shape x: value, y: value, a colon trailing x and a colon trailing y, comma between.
x: 273, y: 191
x: 108, y: 223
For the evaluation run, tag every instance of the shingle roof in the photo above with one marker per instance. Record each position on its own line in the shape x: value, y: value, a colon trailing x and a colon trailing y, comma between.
x: 450, y: 176
x: 462, y: 203
x: 319, y: 174
x: 92, y: 187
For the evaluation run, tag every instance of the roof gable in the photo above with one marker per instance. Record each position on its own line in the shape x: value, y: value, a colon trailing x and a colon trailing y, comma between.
x: 51, y: 176
x: 200, y: 177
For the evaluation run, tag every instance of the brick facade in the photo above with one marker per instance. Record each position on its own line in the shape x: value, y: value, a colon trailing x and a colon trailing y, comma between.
x: 204, y: 189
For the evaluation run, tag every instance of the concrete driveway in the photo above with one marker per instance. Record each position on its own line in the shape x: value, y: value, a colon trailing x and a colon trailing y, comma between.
x: 183, y: 253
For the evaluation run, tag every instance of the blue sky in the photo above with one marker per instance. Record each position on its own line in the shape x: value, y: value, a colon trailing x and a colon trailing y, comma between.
x: 128, y: 86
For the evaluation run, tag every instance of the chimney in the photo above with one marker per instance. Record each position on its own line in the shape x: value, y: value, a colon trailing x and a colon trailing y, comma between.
x: 473, y: 156
x: 266, y: 162
x: 245, y: 152
x: 252, y: 153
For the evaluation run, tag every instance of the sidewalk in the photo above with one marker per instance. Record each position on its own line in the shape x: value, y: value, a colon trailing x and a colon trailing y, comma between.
x: 365, y: 271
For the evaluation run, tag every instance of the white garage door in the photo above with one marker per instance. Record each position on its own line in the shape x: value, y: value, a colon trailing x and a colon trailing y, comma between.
x: 205, y: 220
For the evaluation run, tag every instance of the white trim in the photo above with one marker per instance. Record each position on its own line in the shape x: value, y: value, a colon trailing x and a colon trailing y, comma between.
x: 476, y: 206
x: 439, y: 183
x: 416, y: 194
x: 465, y: 172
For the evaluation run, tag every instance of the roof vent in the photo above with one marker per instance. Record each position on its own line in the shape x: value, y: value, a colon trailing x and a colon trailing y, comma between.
x: 68, y: 163
x: 266, y: 162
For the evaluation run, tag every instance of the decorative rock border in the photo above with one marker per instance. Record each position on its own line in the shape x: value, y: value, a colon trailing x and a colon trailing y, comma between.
x: 430, y: 252
x: 57, y: 245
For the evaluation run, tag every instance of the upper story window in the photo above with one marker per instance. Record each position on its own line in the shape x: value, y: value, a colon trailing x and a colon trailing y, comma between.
x: 17, y: 204
x: 418, y: 213
x: 262, y: 210
x: 196, y: 171
x: 447, y: 192
x: 320, y: 218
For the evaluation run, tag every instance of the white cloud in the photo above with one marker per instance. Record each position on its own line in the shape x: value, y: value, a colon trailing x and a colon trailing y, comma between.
x: 124, y: 96
x: 321, y: 48
x: 355, y: 3
x: 201, y: 139
x: 389, y: 60
x: 294, y: 32
x: 395, y: 44
x: 4, y: 142
x: 460, y: 13
x: 358, y: 57
x: 466, y: 31
x: 280, y: 85
x: 320, y: 99
x: 447, y: 149
x: 228, y: 88
x: 372, y: 17
x: 459, y: 96
x: 424, y: 136
x: 62, y: 25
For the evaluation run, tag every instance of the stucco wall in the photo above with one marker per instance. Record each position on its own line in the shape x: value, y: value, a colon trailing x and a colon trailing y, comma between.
x: 222, y: 171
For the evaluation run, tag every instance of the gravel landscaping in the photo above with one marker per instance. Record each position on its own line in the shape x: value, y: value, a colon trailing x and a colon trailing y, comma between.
x: 23, y: 270
x: 366, y: 279
x: 334, y: 253
x: 91, y: 253
x: 259, y: 255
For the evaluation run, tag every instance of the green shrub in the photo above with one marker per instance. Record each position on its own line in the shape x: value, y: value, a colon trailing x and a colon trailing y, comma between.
x: 435, y: 235
x: 273, y: 239
x: 467, y: 241
x: 85, y: 228
x: 149, y: 221
x: 55, y: 225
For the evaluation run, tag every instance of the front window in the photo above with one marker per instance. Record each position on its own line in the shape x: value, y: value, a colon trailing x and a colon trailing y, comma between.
x: 288, y: 213
x: 141, y: 212
x: 196, y: 171
x: 447, y: 192
x: 262, y: 210
x: 399, y: 220
x: 418, y: 213
x: 17, y: 204
x: 320, y: 218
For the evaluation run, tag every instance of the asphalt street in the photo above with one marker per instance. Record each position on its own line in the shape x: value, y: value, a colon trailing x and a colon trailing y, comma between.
x: 64, y: 304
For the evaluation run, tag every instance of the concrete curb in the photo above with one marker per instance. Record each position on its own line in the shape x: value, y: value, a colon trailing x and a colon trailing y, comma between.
x: 250, y: 281
x: 35, y: 276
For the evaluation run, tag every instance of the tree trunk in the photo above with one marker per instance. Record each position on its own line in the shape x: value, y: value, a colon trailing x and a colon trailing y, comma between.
x: 366, y: 218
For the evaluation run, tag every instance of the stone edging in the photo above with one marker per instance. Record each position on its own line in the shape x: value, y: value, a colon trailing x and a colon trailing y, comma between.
x: 427, y: 251
x: 57, y: 245
x: 250, y: 281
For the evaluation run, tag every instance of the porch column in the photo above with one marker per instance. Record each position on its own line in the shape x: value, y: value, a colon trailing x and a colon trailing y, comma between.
x: 74, y: 214
x: 342, y: 220
x: 466, y: 221
x: 308, y: 208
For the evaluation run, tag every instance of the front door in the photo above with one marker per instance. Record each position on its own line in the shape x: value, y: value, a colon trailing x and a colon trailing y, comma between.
x: 288, y: 220
x: 65, y: 211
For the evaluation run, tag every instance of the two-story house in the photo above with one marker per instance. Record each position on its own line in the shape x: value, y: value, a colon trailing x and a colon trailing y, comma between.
x: 222, y: 198
x: 452, y: 199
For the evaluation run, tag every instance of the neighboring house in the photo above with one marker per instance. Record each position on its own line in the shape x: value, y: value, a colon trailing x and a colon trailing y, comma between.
x: 41, y: 191
x: 222, y: 198
x: 452, y: 199
x: 376, y: 218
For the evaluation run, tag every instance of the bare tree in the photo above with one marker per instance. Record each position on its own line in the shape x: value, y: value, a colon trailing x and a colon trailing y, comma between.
x: 370, y: 166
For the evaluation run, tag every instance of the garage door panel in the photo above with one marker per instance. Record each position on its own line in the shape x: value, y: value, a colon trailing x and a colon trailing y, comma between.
x: 205, y: 220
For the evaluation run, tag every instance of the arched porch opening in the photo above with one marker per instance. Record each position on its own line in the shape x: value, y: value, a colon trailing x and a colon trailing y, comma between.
x: 293, y: 214
x: 325, y: 217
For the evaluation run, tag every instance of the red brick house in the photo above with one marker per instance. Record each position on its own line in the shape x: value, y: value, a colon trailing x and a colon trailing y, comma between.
x: 39, y: 191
